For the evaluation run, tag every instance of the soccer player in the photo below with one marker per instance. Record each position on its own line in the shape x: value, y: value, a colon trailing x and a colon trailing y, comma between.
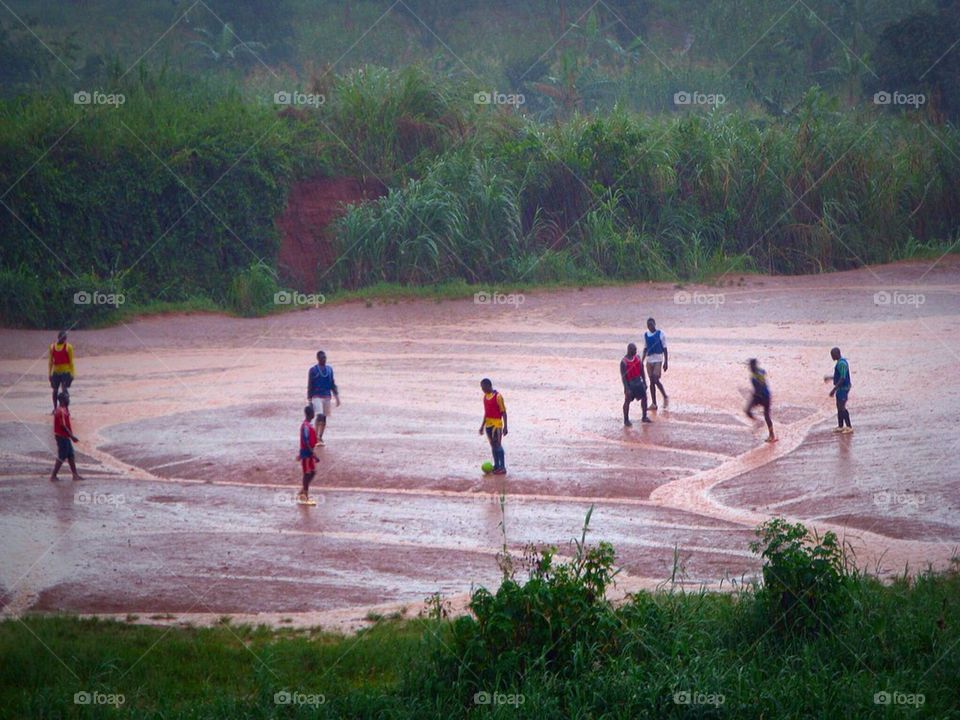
x: 308, y: 458
x: 320, y: 387
x: 494, y: 424
x: 841, y: 390
x: 65, y: 438
x: 761, y: 396
x: 634, y: 384
x: 60, y: 368
x: 655, y: 355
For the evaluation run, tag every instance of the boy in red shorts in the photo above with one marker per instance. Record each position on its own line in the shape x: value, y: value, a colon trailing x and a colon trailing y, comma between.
x: 65, y: 438
x: 308, y: 458
x: 634, y: 384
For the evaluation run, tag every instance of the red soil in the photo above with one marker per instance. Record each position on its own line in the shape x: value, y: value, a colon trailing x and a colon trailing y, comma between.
x: 306, y: 238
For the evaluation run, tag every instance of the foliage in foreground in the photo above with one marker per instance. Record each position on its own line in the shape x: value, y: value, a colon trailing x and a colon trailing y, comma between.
x: 550, y: 646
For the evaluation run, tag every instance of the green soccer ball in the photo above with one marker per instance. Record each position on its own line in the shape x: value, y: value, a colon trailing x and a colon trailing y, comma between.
x: 487, y: 467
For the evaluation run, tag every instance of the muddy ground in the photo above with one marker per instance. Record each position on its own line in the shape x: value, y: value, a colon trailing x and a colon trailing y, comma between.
x: 188, y: 428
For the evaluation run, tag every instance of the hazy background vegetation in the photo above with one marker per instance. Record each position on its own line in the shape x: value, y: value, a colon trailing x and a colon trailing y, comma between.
x: 600, y: 173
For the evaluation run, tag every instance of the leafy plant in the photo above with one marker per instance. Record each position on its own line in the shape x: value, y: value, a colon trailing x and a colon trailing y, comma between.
x: 225, y: 46
x: 252, y: 292
x: 558, y: 621
x: 804, y: 576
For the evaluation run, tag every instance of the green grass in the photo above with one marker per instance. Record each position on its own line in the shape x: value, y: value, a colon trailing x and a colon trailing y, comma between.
x: 624, y: 662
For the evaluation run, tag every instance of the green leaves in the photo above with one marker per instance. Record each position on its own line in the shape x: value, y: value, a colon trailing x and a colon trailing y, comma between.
x: 804, y: 576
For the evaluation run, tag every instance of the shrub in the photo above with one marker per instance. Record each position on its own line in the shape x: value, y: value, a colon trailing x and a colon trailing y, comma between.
x: 252, y: 291
x: 558, y: 621
x: 804, y: 576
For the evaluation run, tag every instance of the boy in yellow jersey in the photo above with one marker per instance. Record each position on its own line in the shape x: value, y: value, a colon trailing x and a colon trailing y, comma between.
x: 494, y: 424
x: 60, y: 369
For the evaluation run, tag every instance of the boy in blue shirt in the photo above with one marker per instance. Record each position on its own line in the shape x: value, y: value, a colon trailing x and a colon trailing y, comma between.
x: 655, y: 356
x: 841, y: 390
x: 320, y: 387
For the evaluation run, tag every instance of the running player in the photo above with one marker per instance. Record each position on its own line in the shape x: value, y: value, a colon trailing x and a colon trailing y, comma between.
x: 494, y: 424
x: 655, y: 355
x: 634, y: 384
x: 320, y: 387
x: 761, y: 396
x: 65, y: 438
x: 308, y: 458
x: 841, y: 390
x: 60, y: 368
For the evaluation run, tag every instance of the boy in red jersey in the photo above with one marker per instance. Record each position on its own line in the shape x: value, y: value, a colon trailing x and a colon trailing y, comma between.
x: 634, y: 384
x: 494, y: 424
x: 65, y: 438
x: 308, y: 458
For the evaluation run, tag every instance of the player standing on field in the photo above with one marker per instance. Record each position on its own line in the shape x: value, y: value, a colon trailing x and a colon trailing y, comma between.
x: 634, y: 384
x: 494, y: 424
x: 320, y: 387
x: 655, y: 355
x: 841, y: 390
x: 63, y: 433
x: 60, y: 368
x: 761, y: 396
x: 308, y: 458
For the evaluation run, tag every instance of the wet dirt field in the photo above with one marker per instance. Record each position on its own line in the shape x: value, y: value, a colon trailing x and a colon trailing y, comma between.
x: 188, y: 428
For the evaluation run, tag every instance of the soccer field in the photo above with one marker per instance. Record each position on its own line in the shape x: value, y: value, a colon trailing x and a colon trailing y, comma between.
x: 188, y: 440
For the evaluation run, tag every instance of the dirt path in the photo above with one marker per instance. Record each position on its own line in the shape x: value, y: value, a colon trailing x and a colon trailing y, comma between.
x: 188, y: 428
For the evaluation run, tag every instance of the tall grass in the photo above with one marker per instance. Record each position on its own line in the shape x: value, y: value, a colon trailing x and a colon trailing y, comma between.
x: 630, y: 197
x: 174, y: 193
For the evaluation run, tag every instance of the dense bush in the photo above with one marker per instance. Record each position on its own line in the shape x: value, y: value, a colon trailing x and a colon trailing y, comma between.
x: 253, y: 291
x: 168, y: 194
x: 173, y: 193
x: 805, y: 582
x: 813, y: 639
x: 630, y: 197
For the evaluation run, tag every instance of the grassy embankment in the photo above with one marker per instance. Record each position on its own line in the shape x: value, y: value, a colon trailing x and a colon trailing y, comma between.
x: 816, y: 639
